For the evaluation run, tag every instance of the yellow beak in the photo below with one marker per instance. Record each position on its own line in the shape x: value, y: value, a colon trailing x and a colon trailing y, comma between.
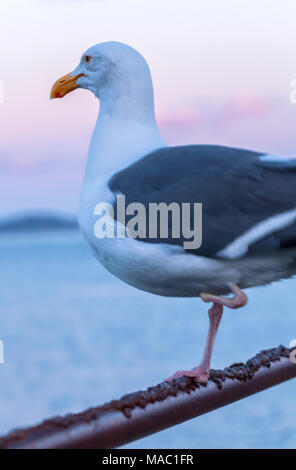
x: 64, y: 85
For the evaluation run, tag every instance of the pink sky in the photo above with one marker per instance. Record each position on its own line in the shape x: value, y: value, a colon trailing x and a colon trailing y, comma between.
x: 221, y: 72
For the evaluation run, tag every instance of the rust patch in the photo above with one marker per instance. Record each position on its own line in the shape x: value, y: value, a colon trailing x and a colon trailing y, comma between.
x: 237, y: 371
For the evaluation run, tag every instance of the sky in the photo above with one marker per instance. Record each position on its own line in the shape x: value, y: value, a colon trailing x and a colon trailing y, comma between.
x: 221, y: 71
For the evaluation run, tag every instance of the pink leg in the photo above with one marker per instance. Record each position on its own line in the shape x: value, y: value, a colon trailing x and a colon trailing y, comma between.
x: 201, y: 372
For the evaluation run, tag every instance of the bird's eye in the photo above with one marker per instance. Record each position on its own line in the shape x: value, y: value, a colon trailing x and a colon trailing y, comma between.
x: 87, y: 58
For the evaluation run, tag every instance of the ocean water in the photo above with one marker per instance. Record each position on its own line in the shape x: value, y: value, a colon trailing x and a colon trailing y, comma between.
x: 74, y: 337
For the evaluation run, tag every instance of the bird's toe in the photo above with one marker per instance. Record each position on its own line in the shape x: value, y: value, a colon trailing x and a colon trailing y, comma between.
x: 197, y: 373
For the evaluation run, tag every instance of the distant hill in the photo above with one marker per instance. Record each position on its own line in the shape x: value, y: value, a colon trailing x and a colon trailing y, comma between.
x: 38, y: 222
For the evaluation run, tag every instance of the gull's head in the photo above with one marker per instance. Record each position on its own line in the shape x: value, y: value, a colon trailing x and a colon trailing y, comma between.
x: 110, y: 70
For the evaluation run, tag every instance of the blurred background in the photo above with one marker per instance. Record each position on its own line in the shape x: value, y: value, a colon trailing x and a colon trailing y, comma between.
x: 74, y: 336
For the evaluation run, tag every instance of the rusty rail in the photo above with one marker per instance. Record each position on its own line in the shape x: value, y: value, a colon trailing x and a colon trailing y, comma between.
x: 145, y: 412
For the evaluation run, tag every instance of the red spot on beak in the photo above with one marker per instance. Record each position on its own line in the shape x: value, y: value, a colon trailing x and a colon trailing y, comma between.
x: 58, y: 94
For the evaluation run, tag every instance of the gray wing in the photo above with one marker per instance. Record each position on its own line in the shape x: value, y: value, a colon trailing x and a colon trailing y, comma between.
x: 238, y: 189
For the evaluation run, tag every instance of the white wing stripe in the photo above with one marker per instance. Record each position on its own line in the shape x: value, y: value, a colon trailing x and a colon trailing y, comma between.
x: 240, y: 245
x: 276, y: 159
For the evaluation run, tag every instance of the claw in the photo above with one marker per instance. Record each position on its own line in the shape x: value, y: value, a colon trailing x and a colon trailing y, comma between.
x: 197, y: 373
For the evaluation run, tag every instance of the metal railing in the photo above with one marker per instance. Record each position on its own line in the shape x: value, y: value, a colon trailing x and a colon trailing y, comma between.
x: 145, y: 412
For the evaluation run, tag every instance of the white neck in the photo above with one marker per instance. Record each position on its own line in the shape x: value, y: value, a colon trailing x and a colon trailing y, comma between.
x: 126, y: 128
x: 125, y: 131
x: 116, y: 143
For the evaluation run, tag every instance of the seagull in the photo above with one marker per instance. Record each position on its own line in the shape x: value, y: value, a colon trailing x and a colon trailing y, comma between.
x: 248, y: 198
